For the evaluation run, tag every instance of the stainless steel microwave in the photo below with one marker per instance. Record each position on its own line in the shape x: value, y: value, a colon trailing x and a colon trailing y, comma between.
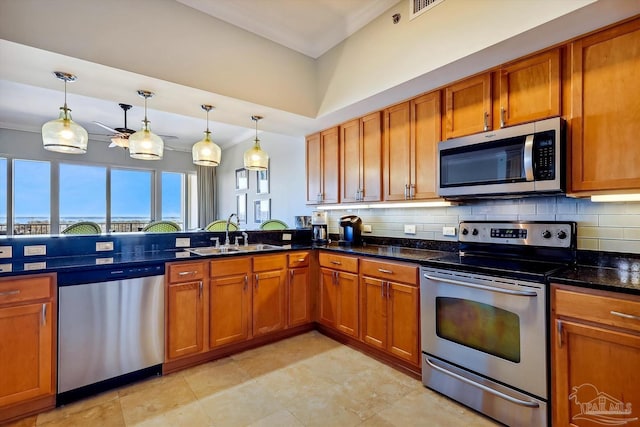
x: 525, y: 159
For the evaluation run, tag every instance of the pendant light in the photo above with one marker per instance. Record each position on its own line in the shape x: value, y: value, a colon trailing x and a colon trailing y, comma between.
x: 64, y: 135
x: 255, y: 159
x: 144, y: 144
x: 206, y: 152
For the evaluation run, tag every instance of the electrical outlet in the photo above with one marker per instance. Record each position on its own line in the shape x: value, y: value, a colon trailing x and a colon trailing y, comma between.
x: 35, y: 250
x: 104, y: 246
x: 183, y: 242
x: 102, y: 261
x: 449, y: 231
x: 35, y: 265
x: 6, y: 251
x: 286, y: 236
x: 409, y: 229
x: 366, y: 228
x: 6, y: 268
x: 183, y: 254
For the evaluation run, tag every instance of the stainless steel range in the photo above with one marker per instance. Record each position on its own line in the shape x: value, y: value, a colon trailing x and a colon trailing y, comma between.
x: 484, y: 317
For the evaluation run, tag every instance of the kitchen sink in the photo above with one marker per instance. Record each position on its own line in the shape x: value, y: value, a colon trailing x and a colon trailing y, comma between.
x: 212, y: 250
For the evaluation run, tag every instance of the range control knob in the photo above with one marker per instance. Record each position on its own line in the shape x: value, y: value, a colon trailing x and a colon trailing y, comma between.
x: 546, y: 234
x: 465, y: 231
x: 562, y: 234
x: 475, y: 232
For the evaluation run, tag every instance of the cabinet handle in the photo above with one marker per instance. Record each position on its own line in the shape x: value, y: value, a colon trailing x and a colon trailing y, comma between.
x: 187, y: 273
x: 625, y: 315
x: 257, y: 280
x: 246, y: 281
x: 559, y: 332
x: 336, y: 262
x: 388, y: 290
x: 382, y: 270
x: 486, y: 121
x: 200, y: 289
x: 300, y: 259
x: 336, y: 278
x: 502, y: 117
x: 406, y: 191
x: 382, y: 290
x: 44, y: 314
x: 412, y: 191
x: 12, y: 292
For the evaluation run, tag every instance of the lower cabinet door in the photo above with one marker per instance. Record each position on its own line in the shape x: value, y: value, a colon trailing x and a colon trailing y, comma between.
x: 374, y: 312
x: 596, y: 380
x: 26, y: 337
x: 328, y: 298
x: 229, y: 309
x: 268, y: 302
x: 185, y: 335
x: 299, y: 298
x: 403, y: 320
x: 348, y: 303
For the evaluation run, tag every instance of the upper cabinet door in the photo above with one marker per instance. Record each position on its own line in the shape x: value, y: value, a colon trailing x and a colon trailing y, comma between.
x: 530, y: 89
x: 397, y: 152
x: 371, y: 165
x: 329, y: 140
x: 468, y: 106
x: 426, y: 132
x: 350, y: 160
x: 606, y: 107
x: 314, y: 169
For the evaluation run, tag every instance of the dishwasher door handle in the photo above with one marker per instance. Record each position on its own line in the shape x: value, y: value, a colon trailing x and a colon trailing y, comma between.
x: 483, y: 287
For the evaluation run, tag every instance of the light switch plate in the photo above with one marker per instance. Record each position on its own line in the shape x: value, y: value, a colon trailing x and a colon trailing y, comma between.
x: 183, y: 242
x: 449, y: 231
x: 35, y: 265
x: 286, y: 236
x: 6, y: 268
x: 6, y: 251
x: 366, y: 228
x: 35, y: 250
x: 104, y: 246
x: 409, y: 229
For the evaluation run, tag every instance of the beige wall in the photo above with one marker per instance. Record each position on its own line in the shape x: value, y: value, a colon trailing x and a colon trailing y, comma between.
x: 611, y: 227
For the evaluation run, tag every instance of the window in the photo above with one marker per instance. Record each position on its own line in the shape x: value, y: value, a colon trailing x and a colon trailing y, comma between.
x: 31, y: 197
x: 192, y: 191
x: 130, y: 199
x: 3, y: 195
x: 83, y: 194
x: 173, y: 200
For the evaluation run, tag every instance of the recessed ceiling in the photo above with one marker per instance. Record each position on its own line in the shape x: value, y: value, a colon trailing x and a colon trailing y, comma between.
x: 311, y: 27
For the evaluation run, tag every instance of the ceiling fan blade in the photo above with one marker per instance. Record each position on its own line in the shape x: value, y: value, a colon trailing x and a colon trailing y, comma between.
x: 106, y: 127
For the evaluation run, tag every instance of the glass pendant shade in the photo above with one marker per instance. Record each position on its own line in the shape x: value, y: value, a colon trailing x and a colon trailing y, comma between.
x: 144, y: 144
x: 256, y: 159
x: 206, y: 152
x: 63, y: 135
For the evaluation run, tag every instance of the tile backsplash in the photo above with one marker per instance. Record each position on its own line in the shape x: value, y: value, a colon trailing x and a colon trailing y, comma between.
x: 611, y: 227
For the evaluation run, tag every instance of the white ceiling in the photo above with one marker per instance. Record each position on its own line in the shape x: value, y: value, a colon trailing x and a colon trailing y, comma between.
x: 308, y: 26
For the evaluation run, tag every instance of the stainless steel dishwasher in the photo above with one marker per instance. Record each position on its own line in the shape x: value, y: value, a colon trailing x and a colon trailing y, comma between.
x: 110, y: 328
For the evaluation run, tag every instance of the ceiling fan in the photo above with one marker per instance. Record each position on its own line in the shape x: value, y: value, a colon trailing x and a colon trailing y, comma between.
x: 120, y: 137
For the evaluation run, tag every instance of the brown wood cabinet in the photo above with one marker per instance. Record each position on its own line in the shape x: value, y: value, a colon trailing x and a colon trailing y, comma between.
x: 230, y: 303
x: 298, y: 289
x: 269, y: 288
x: 361, y: 159
x: 412, y: 131
x: 28, y: 313
x: 606, y: 110
x: 187, y: 292
x: 322, y: 151
x: 389, y: 307
x: 468, y: 106
x: 530, y: 89
x: 596, y: 354
x: 339, y: 296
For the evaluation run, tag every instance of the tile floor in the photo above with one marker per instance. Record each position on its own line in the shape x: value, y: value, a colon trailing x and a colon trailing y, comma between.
x: 308, y: 380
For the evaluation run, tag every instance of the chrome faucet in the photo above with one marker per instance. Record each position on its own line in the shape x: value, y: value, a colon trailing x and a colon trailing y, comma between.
x: 245, y: 236
x: 227, y: 242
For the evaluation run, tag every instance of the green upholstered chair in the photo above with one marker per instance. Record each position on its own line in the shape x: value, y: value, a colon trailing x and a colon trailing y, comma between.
x: 273, y: 224
x: 162, y: 227
x: 221, y: 225
x: 83, y: 227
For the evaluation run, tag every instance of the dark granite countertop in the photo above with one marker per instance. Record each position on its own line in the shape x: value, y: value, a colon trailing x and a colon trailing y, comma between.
x: 614, y: 279
x: 398, y: 253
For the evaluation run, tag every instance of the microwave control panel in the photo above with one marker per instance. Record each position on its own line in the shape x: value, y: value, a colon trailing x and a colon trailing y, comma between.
x: 544, y: 156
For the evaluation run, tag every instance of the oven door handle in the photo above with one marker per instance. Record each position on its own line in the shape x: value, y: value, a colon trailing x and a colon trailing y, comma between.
x: 483, y: 287
x: 497, y: 393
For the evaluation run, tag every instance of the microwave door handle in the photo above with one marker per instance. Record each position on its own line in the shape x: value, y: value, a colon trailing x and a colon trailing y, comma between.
x: 528, y: 158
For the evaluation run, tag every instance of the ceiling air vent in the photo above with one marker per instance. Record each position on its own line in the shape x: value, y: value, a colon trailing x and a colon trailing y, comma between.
x: 418, y: 7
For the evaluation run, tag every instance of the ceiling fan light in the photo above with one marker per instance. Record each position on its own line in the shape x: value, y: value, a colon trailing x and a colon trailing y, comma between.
x: 118, y: 141
x: 255, y: 158
x: 63, y: 135
x: 206, y: 152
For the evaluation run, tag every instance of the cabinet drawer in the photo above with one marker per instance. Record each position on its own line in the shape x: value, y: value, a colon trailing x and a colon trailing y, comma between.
x: 602, y: 307
x: 230, y: 266
x: 269, y: 262
x: 186, y: 271
x: 390, y: 271
x: 298, y: 259
x: 21, y: 289
x: 339, y: 262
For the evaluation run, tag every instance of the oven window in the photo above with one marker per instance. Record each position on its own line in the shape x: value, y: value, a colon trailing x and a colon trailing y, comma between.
x: 480, y: 326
